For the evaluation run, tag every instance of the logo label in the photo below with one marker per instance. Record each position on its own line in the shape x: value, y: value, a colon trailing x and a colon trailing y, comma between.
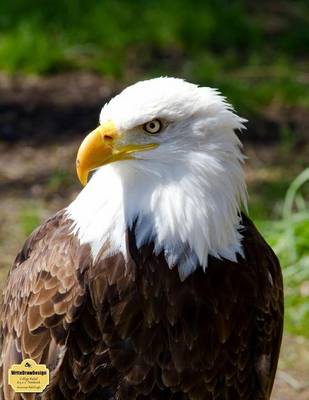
x: 28, y: 377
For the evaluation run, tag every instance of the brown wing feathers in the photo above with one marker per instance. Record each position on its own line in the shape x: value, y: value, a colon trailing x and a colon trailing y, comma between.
x: 41, y: 297
x: 131, y: 330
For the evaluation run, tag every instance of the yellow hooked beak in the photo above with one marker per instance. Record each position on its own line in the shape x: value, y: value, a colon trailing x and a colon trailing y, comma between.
x: 101, y: 147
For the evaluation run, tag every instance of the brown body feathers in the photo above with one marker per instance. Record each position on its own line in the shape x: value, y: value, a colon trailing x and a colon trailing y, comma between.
x: 123, y: 330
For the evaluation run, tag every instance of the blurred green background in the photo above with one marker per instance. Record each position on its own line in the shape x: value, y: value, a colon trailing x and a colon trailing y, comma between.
x: 61, y: 60
x: 254, y: 51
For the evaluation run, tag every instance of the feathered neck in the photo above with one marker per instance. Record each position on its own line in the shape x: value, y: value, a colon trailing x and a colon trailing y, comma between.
x: 189, y: 212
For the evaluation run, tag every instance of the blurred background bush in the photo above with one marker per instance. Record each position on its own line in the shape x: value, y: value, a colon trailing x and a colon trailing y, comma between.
x: 254, y: 51
x: 60, y: 60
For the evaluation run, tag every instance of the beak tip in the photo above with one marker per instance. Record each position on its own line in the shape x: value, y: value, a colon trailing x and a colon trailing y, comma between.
x: 93, y: 150
x: 82, y: 175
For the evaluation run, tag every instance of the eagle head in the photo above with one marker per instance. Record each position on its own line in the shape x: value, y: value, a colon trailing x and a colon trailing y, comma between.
x: 166, y: 120
x: 168, y: 160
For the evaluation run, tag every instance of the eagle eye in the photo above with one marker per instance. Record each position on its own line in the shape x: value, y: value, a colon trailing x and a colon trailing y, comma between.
x: 154, y: 126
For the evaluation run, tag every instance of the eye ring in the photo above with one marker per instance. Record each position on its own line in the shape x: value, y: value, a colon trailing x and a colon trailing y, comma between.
x: 154, y: 126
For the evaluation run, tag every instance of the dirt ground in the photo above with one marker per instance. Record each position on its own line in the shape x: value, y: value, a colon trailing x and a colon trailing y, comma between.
x: 42, y: 122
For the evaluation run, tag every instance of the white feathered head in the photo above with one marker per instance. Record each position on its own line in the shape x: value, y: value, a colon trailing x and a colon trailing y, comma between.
x: 171, y: 149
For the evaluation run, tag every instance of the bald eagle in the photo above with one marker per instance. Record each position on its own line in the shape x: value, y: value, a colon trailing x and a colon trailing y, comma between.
x: 152, y: 283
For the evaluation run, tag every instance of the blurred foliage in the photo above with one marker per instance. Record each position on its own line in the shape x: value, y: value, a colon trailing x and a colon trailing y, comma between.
x: 30, y: 218
x: 58, y: 180
x: 289, y: 238
x: 254, y: 52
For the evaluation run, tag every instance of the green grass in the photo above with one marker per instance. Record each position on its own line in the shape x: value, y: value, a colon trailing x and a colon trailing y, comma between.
x: 30, y: 218
x: 254, y: 54
x: 289, y: 237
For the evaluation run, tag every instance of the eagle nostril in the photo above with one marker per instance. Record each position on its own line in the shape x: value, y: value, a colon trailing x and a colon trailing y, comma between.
x: 108, y: 138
